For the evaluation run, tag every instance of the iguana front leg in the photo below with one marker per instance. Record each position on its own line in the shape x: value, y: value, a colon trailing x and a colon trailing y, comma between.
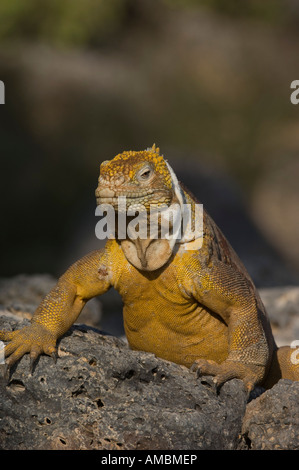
x: 58, y: 310
x: 227, y: 292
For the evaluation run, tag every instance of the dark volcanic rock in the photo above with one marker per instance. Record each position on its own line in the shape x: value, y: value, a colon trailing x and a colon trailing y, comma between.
x: 102, y: 395
x: 271, y: 421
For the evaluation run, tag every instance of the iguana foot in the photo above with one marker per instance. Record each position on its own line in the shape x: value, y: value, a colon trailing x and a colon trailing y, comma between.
x: 228, y: 370
x: 34, y: 339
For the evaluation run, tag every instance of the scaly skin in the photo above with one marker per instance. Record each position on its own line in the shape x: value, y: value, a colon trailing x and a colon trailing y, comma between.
x: 192, y: 305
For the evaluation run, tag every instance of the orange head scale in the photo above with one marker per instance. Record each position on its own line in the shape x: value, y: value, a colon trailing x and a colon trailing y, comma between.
x: 143, y: 177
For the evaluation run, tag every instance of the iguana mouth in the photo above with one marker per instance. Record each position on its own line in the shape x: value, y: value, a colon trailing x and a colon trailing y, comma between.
x: 121, y: 200
x: 124, y: 197
x: 133, y: 199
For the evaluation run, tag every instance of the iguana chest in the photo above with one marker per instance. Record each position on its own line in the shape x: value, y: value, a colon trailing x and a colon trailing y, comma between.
x: 162, y: 317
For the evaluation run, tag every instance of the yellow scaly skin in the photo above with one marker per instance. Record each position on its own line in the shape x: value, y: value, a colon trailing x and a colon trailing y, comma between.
x: 196, y: 307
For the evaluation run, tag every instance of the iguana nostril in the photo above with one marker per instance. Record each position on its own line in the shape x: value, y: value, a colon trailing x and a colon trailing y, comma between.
x: 119, y: 180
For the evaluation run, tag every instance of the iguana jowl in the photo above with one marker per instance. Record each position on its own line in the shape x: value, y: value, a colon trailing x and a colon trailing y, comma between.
x: 193, y: 306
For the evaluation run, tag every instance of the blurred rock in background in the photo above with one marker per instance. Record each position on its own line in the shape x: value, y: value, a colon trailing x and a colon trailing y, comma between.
x: 20, y: 296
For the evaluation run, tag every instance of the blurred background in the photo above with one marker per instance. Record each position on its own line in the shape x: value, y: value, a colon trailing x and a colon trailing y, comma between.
x: 208, y: 82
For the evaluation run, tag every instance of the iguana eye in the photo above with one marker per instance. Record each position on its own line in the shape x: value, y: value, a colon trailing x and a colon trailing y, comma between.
x: 145, y: 174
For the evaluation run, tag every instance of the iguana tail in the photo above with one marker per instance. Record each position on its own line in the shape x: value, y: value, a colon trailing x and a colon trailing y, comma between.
x: 285, y: 365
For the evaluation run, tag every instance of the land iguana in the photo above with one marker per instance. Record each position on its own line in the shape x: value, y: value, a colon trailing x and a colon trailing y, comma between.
x: 188, y: 299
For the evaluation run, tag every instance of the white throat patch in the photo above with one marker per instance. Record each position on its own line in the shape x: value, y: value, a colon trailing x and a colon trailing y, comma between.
x: 188, y: 234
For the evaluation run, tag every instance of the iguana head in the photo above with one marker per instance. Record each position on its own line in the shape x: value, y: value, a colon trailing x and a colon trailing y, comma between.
x: 147, y: 182
x: 143, y: 177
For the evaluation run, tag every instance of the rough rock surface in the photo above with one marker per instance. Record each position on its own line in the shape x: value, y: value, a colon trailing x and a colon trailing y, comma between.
x: 102, y: 395
x: 271, y: 421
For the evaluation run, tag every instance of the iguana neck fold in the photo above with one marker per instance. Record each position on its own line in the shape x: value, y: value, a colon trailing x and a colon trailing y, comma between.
x: 151, y: 254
